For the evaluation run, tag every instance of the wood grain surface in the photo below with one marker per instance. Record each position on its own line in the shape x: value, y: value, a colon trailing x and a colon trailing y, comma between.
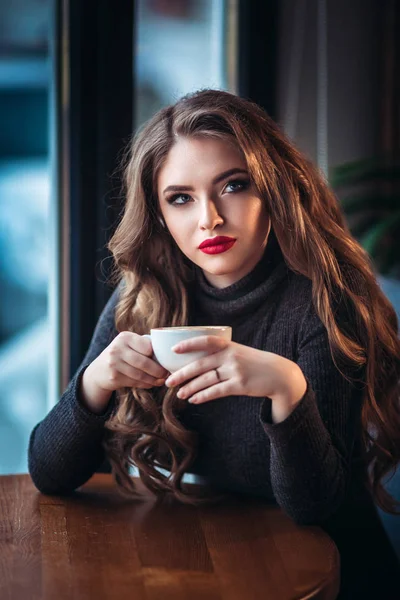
x: 95, y: 544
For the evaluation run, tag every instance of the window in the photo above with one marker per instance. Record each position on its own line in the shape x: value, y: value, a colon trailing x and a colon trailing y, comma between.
x: 25, y: 268
x: 180, y: 47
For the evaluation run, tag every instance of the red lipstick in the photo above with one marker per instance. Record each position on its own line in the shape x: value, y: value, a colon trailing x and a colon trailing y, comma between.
x: 216, y: 245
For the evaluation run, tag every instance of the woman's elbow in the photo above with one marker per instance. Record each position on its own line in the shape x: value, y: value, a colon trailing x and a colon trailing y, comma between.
x: 49, y: 488
x: 315, y: 513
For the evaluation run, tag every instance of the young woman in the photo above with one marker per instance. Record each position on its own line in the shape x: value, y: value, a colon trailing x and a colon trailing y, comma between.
x: 302, y: 406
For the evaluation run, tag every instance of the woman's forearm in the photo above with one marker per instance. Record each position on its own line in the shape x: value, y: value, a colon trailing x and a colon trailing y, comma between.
x: 293, y: 390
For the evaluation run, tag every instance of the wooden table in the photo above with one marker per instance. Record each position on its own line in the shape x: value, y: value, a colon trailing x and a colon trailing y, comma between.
x: 96, y: 545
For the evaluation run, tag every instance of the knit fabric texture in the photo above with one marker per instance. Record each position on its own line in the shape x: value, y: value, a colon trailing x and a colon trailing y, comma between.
x: 307, y: 464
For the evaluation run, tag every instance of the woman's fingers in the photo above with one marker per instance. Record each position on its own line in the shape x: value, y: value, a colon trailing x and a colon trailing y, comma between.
x: 200, y: 383
x: 209, y: 343
x: 139, y: 376
x: 193, y: 369
x: 146, y: 365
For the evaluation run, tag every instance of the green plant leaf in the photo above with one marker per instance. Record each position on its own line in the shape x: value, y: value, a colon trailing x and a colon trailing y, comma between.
x: 372, y: 239
x: 354, y: 204
x: 363, y: 225
x: 392, y: 260
x: 367, y: 170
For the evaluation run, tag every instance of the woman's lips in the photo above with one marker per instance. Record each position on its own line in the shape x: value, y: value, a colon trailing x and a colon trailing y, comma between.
x: 218, y: 248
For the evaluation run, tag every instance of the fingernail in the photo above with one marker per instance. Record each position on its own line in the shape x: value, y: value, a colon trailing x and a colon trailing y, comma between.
x: 159, y: 382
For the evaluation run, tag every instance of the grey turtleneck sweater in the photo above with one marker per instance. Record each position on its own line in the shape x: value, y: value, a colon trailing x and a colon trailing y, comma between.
x: 308, y: 463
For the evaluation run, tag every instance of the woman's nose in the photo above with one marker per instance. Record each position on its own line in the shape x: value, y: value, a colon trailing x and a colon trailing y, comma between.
x: 209, y: 216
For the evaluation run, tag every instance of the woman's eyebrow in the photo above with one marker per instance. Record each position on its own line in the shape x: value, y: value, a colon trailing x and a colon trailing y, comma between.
x: 217, y: 179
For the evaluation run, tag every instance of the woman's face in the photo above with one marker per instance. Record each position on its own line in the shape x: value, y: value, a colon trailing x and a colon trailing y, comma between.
x: 204, y: 191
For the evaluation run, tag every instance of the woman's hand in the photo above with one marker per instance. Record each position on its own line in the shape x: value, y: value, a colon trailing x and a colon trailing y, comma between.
x: 126, y: 362
x: 232, y: 369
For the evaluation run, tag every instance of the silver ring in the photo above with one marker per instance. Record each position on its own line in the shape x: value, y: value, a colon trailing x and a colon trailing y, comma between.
x: 218, y: 377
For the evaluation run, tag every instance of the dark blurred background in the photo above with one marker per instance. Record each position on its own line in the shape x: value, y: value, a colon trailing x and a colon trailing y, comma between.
x: 77, y: 78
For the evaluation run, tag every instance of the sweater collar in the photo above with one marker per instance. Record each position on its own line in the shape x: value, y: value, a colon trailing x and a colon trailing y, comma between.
x: 215, y: 306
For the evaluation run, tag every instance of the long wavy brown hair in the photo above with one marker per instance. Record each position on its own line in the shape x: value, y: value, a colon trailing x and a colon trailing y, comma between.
x: 144, y: 430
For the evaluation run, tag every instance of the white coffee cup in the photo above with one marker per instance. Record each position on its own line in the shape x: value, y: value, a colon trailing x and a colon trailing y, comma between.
x: 164, y: 338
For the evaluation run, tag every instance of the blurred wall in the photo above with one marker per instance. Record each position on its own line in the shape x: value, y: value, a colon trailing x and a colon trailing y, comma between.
x: 353, y: 83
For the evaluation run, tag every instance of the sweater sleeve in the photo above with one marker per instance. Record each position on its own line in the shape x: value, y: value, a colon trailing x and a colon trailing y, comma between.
x: 311, y: 450
x: 65, y: 448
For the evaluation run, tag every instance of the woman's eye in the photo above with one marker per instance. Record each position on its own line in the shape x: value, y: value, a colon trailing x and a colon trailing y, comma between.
x: 173, y: 199
x: 237, y: 185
